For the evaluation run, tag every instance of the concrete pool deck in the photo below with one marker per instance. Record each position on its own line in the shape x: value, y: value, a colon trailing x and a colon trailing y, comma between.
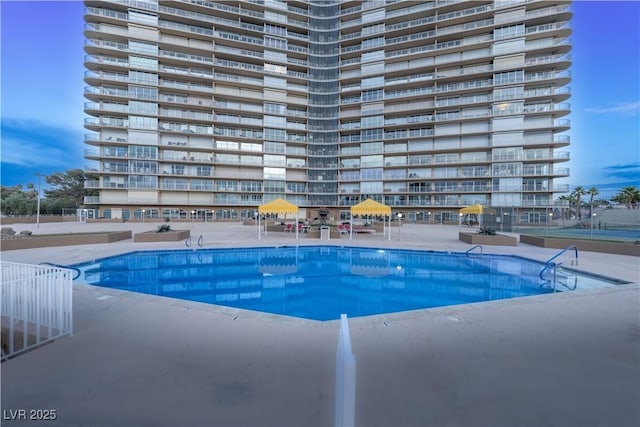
x: 569, y: 359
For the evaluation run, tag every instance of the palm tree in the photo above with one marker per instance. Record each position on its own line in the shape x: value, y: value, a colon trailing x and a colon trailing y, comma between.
x: 578, y: 192
x: 570, y: 200
x: 629, y: 196
x: 592, y: 192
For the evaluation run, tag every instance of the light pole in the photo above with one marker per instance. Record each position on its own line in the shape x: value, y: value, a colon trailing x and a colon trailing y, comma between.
x: 429, y: 217
x: 593, y: 218
x: 193, y: 215
x: 399, y: 223
x: 38, y: 200
x: 143, y: 215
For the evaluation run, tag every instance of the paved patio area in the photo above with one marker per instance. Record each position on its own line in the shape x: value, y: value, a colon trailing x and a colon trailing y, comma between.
x: 570, y: 359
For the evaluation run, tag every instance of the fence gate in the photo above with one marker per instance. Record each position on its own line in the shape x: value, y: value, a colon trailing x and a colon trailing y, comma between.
x: 35, y: 306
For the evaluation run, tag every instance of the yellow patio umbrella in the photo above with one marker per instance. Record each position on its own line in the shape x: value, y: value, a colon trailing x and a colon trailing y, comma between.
x: 278, y: 206
x: 476, y: 209
x: 370, y: 207
x: 473, y: 209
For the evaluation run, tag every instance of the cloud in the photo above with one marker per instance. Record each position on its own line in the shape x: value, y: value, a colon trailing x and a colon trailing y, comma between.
x: 630, y: 171
x: 626, y: 108
x: 31, y: 143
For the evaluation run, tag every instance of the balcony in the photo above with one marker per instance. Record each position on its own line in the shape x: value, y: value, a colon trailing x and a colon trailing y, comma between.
x: 91, y: 152
x: 91, y: 200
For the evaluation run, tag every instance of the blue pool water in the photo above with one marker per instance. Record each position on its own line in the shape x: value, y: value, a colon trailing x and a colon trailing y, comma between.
x: 319, y: 282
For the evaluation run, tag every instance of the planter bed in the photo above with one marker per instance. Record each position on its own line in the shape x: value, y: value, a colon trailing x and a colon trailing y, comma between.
x: 484, y: 239
x: 167, y: 236
x: 46, y: 241
x: 609, y: 247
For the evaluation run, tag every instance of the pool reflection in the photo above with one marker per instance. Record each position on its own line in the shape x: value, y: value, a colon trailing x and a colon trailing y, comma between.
x: 316, y: 282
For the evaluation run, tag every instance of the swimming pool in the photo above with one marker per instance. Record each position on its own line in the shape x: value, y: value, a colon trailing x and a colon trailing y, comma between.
x: 321, y: 282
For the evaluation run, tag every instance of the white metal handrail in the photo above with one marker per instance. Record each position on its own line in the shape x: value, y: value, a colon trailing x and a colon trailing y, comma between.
x: 35, y: 306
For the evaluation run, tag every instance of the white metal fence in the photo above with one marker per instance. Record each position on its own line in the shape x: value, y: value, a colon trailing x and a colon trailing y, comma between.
x: 35, y: 306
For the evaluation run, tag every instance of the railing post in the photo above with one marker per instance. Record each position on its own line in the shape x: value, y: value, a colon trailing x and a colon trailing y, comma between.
x: 345, y: 377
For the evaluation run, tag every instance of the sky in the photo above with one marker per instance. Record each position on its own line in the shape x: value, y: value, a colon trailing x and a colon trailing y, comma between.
x: 42, y: 86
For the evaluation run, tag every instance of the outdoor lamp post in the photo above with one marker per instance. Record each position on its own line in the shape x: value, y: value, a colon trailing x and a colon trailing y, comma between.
x: 143, y: 212
x: 429, y: 217
x: 38, y: 200
x: 193, y: 215
x: 593, y: 218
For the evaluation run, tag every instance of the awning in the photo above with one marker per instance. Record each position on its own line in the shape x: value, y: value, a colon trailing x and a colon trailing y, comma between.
x: 370, y: 207
x: 278, y: 206
x: 473, y: 209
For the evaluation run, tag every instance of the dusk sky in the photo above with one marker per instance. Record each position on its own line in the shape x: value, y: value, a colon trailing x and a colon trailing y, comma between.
x: 42, y: 92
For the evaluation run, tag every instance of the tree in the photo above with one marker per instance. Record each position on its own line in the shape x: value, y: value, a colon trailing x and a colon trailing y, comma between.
x: 577, y: 193
x: 68, y: 188
x: 15, y: 201
x: 570, y: 201
x: 629, y: 196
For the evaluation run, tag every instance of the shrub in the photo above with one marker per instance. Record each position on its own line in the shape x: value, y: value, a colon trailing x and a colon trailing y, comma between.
x: 488, y: 231
x: 163, y: 228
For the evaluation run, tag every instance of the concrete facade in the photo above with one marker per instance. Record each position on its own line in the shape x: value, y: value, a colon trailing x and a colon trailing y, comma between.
x: 209, y: 109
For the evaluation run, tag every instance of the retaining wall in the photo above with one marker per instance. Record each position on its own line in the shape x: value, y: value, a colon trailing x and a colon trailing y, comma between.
x: 618, y: 248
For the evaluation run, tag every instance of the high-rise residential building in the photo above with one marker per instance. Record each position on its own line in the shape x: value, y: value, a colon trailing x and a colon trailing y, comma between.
x: 201, y: 107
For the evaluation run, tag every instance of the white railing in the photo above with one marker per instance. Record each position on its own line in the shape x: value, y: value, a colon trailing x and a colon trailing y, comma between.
x: 35, y: 306
x: 345, y: 377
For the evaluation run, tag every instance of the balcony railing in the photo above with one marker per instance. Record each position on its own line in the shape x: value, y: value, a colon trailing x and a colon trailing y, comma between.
x: 91, y: 200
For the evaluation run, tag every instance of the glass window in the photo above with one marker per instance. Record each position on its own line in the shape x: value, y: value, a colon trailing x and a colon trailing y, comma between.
x: 226, y: 185
x: 274, y: 160
x: 374, y: 42
x: 279, y: 109
x: 141, y: 62
x: 143, y: 92
x: 373, y: 173
x: 255, y: 186
x: 138, y: 122
x: 372, y: 121
x: 372, y: 95
x: 508, y: 77
x: 201, y: 184
x: 371, y: 161
x: 510, y: 31
x: 274, y: 173
x: 143, y: 47
x: 143, y: 152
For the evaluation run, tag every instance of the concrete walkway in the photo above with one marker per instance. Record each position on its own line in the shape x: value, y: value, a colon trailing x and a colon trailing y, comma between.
x: 570, y: 359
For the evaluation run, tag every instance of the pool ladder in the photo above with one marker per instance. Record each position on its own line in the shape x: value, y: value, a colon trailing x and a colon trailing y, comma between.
x: 468, y: 252
x: 187, y: 242
x: 550, y: 264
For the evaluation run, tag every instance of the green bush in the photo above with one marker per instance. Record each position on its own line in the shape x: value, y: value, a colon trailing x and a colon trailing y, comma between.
x: 164, y: 228
x: 488, y: 231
